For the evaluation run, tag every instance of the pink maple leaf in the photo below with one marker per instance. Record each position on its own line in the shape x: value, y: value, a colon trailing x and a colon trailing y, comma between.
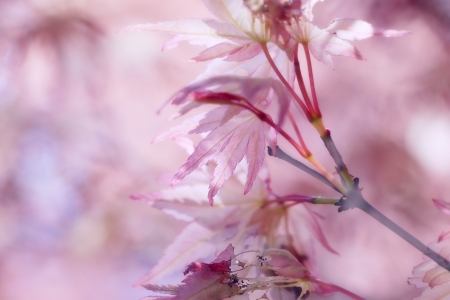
x: 248, y: 221
x: 210, y: 228
x: 208, y: 281
x: 283, y: 263
x: 233, y: 40
x: 334, y: 40
x: 234, y: 132
x: 236, y: 34
x: 432, y: 278
x: 444, y: 206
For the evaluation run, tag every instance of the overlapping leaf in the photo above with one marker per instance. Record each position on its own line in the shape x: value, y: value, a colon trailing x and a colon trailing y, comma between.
x: 233, y: 131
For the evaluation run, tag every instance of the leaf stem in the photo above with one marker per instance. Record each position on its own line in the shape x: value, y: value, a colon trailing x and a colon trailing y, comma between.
x: 284, y: 156
x: 301, y: 83
x: 311, y: 80
x: 334, y: 152
x: 323, y: 200
x: 297, y: 132
x: 242, y: 102
x: 285, y: 83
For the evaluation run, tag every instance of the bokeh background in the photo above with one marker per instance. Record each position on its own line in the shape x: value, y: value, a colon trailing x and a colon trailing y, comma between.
x: 77, y: 116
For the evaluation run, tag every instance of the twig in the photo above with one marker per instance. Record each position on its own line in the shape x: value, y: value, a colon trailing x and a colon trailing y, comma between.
x: 282, y: 155
x: 356, y: 200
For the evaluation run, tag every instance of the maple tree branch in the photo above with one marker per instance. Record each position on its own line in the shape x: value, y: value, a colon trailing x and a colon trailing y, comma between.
x: 334, y: 153
x: 311, y: 80
x: 301, y: 83
x: 297, y: 132
x: 356, y: 200
x: 284, y: 156
x: 285, y: 83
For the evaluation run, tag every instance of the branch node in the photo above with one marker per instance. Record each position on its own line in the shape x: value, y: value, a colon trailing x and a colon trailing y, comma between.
x: 352, y: 200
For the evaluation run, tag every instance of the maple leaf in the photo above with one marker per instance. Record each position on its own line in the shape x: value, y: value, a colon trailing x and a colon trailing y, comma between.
x: 334, y: 40
x: 283, y: 263
x: 429, y: 276
x: 442, y: 205
x: 208, y: 281
x: 250, y: 221
x: 236, y: 34
x: 292, y: 272
x: 233, y: 40
x: 432, y: 278
x: 233, y: 131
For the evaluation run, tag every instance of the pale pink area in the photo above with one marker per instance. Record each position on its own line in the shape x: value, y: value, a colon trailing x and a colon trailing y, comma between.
x: 77, y: 117
x: 432, y: 279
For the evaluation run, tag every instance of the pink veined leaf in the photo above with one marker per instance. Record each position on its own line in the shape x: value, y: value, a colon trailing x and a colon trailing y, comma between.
x: 444, y: 206
x: 236, y: 25
x: 244, y: 53
x: 444, y: 235
x: 182, y: 250
x: 234, y: 131
x: 234, y: 12
x: 352, y: 30
x: 162, y: 289
x: 325, y: 44
x: 213, y: 227
x: 208, y: 281
x: 208, y: 32
x: 157, y: 298
x: 185, y: 203
x: 220, y: 50
x: 322, y: 43
x: 221, y: 264
x: 257, y: 67
x: 226, y: 255
x: 249, y: 88
x: 182, y: 129
x: 283, y: 263
x: 205, y: 285
x: 429, y: 275
x: 438, y: 292
x: 317, y: 230
x: 227, y: 145
x: 307, y: 7
x: 305, y: 224
x: 333, y: 40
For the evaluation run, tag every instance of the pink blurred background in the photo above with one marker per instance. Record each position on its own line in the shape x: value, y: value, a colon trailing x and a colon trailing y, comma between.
x: 77, y: 116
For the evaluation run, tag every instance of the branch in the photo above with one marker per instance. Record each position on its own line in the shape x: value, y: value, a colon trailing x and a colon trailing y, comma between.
x: 334, y: 153
x: 356, y: 200
x: 284, y: 156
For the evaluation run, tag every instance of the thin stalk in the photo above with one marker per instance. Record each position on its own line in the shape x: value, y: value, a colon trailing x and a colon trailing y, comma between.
x: 322, y: 200
x: 412, y: 240
x: 342, y: 189
x: 298, y: 199
x: 356, y: 200
x: 301, y: 83
x: 244, y: 103
x: 334, y: 152
x: 297, y: 132
x: 311, y: 80
x: 285, y: 83
x: 282, y: 155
